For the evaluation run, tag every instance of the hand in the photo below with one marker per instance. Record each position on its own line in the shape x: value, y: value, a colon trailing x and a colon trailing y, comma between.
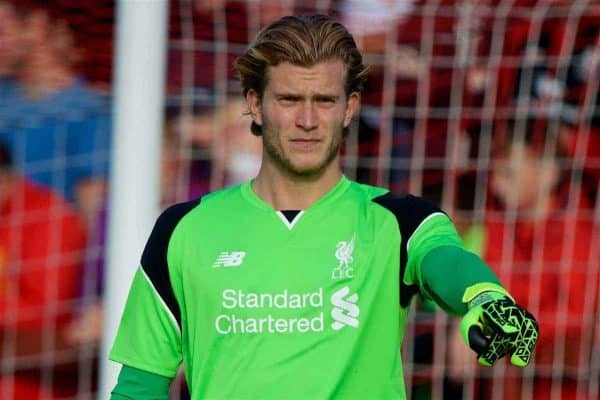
x: 496, y: 326
x: 86, y: 329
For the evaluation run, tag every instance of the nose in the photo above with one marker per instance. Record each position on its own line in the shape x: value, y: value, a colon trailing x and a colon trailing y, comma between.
x: 307, y: 117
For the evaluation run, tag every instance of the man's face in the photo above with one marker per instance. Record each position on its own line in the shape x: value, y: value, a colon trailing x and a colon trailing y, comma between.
x: 10, y: 39
x: 303, y: 113
x: 523, y: 180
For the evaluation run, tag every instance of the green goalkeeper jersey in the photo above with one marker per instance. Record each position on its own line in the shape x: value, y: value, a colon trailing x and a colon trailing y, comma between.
x: 264, y: 304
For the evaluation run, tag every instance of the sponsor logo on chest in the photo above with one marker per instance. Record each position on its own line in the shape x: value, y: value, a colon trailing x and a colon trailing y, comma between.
x: 271, y: 309
x: 342, y: 306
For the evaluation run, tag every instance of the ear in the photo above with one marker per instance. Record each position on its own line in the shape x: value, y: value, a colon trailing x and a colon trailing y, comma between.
x: 351, y: 108
x: 253, y: 102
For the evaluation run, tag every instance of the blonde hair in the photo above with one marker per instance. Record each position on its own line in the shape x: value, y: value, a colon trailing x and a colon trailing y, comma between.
x: 304, y: 41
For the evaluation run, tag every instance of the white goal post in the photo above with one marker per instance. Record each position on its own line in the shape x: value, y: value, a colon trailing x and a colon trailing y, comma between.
x: 134, y: 190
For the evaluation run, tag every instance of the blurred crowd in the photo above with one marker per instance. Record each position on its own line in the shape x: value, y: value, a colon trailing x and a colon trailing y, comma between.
x: 489, y: 108
x: 54, y: 147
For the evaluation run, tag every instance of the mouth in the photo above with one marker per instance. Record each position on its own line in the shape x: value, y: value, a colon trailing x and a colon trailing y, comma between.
x: 307, y: 139
x: 304, y: 144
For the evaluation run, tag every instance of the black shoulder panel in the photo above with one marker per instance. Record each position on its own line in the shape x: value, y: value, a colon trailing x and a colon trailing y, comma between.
x: 154, y: 257
x: 409, y: 211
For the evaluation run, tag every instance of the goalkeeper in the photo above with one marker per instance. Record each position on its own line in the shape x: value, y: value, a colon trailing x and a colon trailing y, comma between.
x: 297, y: 284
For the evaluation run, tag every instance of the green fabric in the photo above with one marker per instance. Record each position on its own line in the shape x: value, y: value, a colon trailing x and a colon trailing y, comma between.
x: 448, y: 271
x: 137, y: 345
x: 135, y: 384
x: 267, y: 306
x: 436, y: 231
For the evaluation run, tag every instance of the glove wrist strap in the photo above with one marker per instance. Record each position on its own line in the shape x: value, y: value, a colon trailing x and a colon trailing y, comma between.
x: 472, y: 294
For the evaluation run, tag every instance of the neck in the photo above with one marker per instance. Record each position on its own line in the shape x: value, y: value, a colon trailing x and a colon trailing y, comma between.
x: 44, y: 82
x: 284, y: 192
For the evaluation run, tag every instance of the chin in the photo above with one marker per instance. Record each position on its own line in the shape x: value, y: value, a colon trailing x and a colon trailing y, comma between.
x: 306, y: 170
x: 305, y: 166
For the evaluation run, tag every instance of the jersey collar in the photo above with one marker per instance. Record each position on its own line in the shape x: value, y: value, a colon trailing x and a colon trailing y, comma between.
x: 339, y: 189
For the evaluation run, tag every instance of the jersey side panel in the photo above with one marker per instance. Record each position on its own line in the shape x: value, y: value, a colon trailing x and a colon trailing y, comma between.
x: 149, y: 334
x: 147, y: 338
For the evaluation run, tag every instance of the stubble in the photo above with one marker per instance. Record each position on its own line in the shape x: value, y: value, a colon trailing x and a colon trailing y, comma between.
x: 274, y: 150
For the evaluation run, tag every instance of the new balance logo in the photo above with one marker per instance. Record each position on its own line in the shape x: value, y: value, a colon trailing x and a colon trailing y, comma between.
x: 345, y: 311
x: 229, y: 259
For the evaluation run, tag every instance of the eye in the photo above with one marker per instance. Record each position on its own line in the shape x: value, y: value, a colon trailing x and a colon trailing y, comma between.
x: 287, y: 100
x: 327, y: 100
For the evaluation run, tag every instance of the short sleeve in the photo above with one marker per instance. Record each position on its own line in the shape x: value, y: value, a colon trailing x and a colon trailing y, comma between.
x: 149, y: 335
x: 436, y: 230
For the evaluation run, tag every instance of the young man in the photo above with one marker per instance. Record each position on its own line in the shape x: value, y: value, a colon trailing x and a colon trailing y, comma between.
x: 297, y: 284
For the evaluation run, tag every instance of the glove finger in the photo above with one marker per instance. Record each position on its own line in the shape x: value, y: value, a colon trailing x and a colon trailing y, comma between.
x: 500, y: 344
x: 526, y: 342
x: 483, y: 360
x: 520, y: 357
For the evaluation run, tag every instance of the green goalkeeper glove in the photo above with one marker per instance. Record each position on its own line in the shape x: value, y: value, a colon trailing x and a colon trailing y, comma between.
x: 496, y: 326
